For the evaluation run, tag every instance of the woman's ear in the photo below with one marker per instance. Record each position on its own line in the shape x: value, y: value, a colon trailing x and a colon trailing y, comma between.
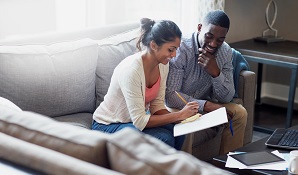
x: 153, y: 45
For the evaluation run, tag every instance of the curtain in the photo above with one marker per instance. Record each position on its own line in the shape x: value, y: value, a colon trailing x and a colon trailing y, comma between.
x: 193, y: 11
x: 206, y: 5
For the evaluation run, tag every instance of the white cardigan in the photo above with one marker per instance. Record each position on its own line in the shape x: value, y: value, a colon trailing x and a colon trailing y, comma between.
x: 125, y: 99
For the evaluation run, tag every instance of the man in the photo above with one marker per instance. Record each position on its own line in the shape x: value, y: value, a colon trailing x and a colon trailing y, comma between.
x: 202, y: 71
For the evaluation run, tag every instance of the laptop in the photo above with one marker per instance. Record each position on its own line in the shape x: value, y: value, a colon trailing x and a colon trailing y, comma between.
x: 283, y: 138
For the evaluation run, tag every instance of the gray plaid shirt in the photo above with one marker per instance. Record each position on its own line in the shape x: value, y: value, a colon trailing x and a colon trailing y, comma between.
x: 193, y: 83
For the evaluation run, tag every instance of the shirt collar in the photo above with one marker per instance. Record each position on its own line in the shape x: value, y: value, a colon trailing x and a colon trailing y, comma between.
x: 196, y: 42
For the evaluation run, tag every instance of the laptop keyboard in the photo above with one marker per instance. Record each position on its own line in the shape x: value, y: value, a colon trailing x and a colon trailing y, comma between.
x: 290, y: 139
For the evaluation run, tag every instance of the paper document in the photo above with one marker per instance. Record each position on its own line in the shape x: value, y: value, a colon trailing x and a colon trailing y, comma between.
x: 208, y: 120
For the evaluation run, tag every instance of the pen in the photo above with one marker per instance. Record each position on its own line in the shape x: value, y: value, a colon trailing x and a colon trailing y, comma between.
x: 181, y: 97
x: 231, y: 127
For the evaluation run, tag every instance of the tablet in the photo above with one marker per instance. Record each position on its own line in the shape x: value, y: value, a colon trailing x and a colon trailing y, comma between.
x: 255, y: 158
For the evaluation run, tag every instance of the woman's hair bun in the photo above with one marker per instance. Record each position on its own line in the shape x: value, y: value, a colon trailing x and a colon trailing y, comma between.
x: 147, y: 23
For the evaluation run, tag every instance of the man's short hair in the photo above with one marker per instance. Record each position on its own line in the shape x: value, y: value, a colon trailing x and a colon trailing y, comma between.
x: 218, y: 18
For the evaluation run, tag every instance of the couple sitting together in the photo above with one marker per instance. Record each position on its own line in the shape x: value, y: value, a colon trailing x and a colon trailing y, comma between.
x: 198, y: 67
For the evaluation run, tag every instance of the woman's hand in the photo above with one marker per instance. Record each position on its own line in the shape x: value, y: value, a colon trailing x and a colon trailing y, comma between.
x: 190, y: 109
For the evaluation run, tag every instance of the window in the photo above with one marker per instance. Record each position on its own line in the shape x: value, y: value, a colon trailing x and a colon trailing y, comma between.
x: 91, y: 13
x: 35, y: 16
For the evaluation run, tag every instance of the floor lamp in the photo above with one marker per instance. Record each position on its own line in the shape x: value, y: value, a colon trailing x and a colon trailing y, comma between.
x: 270, y: 38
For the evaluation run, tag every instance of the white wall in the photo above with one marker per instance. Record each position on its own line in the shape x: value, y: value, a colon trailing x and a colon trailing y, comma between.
x: 26, y: 16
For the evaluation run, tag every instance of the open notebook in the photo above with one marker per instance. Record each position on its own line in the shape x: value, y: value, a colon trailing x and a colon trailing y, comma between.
x: 283, y: 138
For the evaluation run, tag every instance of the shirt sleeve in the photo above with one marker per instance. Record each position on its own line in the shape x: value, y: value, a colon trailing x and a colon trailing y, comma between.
x: 175, y: 80
x: 223, y: 85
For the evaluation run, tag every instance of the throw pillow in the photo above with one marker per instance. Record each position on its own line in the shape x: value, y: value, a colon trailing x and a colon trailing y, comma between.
x: 132, y: 152
x: 53, y: 80
x: 8, y: 104
x: 111, y: 51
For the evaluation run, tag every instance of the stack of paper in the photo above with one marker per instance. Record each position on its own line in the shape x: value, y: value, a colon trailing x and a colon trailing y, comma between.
x: 281, y: 165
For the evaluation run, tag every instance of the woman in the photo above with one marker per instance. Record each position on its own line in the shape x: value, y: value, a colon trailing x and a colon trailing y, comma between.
x: 136, y: 94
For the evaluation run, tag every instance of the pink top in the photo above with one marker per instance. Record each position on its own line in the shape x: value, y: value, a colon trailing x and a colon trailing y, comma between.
x: 151, y: 93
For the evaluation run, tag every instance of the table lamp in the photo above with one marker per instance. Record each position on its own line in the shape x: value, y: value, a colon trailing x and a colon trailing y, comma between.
x: 270, y: 38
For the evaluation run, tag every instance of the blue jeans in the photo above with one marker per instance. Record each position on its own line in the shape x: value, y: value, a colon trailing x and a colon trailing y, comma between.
x: 163, y: 133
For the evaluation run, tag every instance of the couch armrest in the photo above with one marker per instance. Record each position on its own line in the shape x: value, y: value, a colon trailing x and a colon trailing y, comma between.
x: 45, y: 160
x: 246, y: 92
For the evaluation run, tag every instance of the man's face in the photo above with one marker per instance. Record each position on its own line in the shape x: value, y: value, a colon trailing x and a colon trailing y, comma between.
x: 211, y: 37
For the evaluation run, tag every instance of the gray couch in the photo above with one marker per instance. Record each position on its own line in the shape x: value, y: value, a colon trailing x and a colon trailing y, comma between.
x: 65, y: 76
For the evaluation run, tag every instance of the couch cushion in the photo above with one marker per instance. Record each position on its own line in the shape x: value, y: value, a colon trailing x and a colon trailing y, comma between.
x: 75, y: 141
x: 142, y: 154
x: 53, y: 80
x: 79, y: 119
x: 111, y: 51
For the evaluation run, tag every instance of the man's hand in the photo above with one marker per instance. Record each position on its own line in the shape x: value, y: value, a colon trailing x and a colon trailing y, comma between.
x: 209, y: 106
x: 208, y: 62
x: 230, y: 115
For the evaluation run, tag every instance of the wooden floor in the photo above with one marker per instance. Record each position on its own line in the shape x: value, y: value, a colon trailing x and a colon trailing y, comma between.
x: 271, y: 117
